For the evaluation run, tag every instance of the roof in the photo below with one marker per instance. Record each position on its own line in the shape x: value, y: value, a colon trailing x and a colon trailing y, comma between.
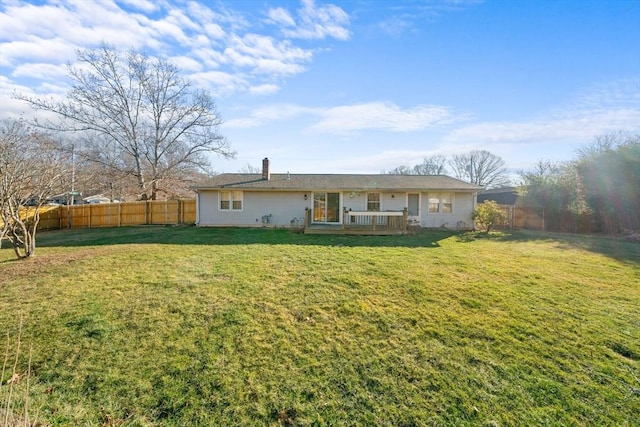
x: 348, y: 182
x: 502, y: 196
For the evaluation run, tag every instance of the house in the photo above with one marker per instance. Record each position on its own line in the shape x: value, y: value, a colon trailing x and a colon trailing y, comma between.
x: 98, y: 199
x: 502, y: 196
x: 366, y: 204
x: 72, y: 198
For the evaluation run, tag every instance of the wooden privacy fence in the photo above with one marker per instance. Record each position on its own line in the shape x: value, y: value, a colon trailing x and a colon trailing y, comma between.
x: 151, y: 212
x: 521, y: 217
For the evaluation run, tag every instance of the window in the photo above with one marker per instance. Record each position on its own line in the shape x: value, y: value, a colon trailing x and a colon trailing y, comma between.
x: 441, y: 203
x: 446, y: 206
x: 231, y: 200
x: 373, y: 202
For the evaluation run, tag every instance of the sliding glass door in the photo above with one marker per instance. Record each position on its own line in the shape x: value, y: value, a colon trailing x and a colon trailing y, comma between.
x: 326, y: 207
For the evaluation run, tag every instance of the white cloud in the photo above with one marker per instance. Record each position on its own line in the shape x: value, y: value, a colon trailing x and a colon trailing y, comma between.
x: 381, y: 116
x: 349, y: 119
x: 265, y: 89
x: 192, y: 35
x: 314, y: 22
x: 280, y: 16
x: 56, y: 51
x: 41, y: 71
x: 604, y: 109
x: 220, y: 83
x: 12, y: 107
x: 263, y: 55
x: 143, y: 5
x: 186, y: 63
x: 269, y: 114
x: 214, y: 30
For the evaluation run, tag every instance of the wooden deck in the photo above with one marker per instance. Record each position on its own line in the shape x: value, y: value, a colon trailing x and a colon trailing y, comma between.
x: 362, y: 223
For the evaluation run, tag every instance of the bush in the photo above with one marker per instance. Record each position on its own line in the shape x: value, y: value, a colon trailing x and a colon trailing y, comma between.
x: 488, y: 214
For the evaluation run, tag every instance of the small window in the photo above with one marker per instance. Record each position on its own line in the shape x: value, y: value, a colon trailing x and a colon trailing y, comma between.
x: 231, y: 200
x: 373, y: 202
x: 441, y: 203
x: 434, y: 203
x: 446, y: 206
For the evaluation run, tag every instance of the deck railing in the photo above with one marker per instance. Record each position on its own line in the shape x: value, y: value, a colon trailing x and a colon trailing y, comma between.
x: 391, y: 220
x: 383, y: 222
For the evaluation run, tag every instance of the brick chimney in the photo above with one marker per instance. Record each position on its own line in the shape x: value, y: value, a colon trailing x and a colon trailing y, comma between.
x: 266, y: 175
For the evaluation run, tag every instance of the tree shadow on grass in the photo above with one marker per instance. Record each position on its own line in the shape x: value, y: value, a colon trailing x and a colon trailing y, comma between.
x: 191, y: 235
x: 611, y: 246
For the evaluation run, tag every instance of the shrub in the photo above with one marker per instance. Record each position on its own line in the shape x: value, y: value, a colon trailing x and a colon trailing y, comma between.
x: 488, y: 214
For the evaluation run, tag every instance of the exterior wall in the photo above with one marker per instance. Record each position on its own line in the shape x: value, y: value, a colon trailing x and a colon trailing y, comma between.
x: 283, y: 207
x: 396, y: 201
x: 463, y: 206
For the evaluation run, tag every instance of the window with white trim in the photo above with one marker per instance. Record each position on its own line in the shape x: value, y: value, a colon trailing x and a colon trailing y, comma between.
x: 446, y: 203
x: 373, y: 202
x: 441, y: 203
x: 231, y: 200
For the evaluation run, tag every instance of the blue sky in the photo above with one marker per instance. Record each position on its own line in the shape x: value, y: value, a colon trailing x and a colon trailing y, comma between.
x: 361, y: 86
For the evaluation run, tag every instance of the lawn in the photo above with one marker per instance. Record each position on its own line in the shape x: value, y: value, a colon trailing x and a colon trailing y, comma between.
x: 147, y: 326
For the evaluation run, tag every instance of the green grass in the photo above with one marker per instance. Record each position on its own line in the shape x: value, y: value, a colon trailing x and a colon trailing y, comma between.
x: 198, y: 326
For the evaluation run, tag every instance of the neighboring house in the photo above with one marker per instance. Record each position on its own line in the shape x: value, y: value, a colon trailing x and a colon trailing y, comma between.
x: 333, y: 202
x: 98, y: 199
x: 503, y: 196
x: 65, y: 199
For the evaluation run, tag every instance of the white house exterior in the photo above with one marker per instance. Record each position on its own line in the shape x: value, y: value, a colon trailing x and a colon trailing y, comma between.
x: 285, y: 200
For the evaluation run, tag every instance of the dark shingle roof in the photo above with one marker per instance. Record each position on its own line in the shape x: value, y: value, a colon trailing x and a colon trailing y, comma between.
x: 502, y: 196
x: 347, y: 182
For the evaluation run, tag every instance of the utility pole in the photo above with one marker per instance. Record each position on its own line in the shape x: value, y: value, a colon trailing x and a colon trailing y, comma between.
x: 73, y: 173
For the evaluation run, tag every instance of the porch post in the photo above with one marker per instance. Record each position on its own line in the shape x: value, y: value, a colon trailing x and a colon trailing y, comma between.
x: 344, y: 217
x: 405, y: 219
x: 307, y: 217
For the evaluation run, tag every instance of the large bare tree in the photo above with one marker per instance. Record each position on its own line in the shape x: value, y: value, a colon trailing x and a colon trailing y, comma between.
x: 434, y: 165
x: 31, y: 170
x: 139, y: 117
x: 480, y: 167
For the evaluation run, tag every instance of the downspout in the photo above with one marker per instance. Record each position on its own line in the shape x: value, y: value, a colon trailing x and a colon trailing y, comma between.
x: 475, y: 206
x: 197, y: 207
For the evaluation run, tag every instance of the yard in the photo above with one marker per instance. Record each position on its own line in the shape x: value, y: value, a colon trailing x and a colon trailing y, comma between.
x: 197, y: 326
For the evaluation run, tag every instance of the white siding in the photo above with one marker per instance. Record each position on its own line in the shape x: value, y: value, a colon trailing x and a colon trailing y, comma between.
x: 463, y: 205
x: 285, y: 206
x: 388, y: 201
x: 282, y: 206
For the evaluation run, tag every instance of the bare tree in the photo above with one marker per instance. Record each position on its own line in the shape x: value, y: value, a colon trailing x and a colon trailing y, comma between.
x: 152, y: 123
x: 434, y: 165
x: 31, y: 168
x: 249, y: 168
x: 399, y: 170
x: 480, y: 167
